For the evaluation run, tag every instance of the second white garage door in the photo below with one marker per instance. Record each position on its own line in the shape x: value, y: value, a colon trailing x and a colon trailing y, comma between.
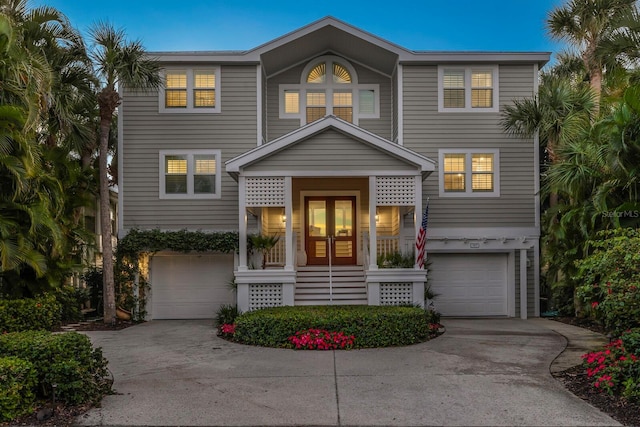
x: 190, y: 286
x: 469, y: 284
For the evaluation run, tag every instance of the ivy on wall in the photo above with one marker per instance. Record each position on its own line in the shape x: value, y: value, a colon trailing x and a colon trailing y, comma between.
x: 134, y: 249
x: 138, y: 242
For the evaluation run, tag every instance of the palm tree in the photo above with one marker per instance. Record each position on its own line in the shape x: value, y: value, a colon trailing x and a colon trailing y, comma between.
x: 117, y: 63
x: 558, y: 113
x: 598, y: 180
x: 590, y: 26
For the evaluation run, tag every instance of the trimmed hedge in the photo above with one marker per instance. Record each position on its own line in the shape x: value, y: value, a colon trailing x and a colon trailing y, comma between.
x: 65, y: 359
x: 42, y: 313
x: 17, y: 381
x: 372, y: 326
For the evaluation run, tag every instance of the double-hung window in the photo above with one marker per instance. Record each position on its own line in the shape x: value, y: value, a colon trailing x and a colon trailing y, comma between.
x: 190, y: 90
x: 193, y: 174
x: 468, y: 89
x: 469, y: 173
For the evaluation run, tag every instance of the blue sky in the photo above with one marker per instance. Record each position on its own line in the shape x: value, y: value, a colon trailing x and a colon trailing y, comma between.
x: 498, y: 25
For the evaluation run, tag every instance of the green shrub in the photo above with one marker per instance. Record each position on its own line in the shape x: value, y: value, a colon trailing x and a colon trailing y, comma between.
x: 396, y: 260
x: 372, y: 326
x: 615, y: 370
x: 610, y: 279
x: 71, y: 300
x: 227, y: 314
x: 42, y: 313
x: 67, y: 360
x: 17, y: 382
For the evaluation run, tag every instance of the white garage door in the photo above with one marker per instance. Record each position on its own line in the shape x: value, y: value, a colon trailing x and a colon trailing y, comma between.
x: 190, y: 286
x: 469, y: 284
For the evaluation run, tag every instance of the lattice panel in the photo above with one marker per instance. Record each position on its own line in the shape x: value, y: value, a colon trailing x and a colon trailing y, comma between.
x: 396, y: 293
x: 265, y: 192
x: 395, y: 191
x: 265, y: 295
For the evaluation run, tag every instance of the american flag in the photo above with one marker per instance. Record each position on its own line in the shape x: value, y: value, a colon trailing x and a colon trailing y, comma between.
x: 421, y: 240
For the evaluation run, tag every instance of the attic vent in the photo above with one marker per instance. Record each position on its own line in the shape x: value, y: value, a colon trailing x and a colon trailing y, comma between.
x: 265, y: 192
x: 395, y: 191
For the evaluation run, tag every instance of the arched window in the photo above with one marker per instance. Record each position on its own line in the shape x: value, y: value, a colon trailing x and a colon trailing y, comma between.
x: 319, y: 95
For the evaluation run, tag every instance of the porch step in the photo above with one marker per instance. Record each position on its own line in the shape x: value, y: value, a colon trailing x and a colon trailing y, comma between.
x: 348, y: 285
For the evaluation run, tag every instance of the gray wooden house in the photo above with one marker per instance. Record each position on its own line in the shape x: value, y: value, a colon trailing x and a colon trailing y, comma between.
x: 333, y: 139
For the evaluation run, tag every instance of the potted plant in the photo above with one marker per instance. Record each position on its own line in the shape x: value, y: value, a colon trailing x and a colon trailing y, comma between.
x: 264, y: 244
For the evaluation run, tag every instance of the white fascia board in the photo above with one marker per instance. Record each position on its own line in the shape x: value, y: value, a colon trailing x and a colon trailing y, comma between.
x: 234, y: 165
x: 325, y: 22
x: 434, y: 57
x: 451, y: 233
x: 206, y: 56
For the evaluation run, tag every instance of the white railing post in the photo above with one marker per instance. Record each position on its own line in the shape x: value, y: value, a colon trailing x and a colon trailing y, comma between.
x: 288, y: 213
x: 242, y: 224
x: 373, y: 201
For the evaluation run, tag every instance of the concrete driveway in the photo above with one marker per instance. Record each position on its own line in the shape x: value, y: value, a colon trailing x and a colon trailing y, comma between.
x: 480, y: 372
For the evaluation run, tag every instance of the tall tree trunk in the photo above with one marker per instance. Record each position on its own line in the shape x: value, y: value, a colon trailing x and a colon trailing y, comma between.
x: 595, y: 81
x: 108, y: 100
x: 594, y: 68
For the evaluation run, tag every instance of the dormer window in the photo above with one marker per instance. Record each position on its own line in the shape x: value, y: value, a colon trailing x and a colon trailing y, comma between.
x: 339, y: 94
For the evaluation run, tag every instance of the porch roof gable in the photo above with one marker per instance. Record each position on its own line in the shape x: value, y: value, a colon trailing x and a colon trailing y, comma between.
x: 423, y: 164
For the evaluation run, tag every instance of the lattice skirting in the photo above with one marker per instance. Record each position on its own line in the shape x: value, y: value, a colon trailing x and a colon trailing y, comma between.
x: 265, y: 295
x: 396, y: 293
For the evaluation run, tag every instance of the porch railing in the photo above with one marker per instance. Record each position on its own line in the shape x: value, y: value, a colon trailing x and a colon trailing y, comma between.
x: 387, y: 245
x: 276, y: 256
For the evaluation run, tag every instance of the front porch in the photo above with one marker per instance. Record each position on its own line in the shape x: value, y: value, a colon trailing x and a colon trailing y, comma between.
x: 332, y: 245
x: 336, y: 197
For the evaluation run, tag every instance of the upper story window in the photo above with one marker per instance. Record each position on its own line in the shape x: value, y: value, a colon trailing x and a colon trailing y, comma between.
x: 468, y: 89
x: 469, y: 173
x: 329, y: 86
x: 193, y: 174
x: 190, y: 90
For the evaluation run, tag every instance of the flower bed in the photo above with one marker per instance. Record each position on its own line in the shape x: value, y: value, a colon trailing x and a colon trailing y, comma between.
x: 333, y: 327
x: 615, y: 370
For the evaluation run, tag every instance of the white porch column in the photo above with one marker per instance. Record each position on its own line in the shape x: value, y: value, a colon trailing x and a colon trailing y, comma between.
x: 373, y: 236
x: 523, y: 283
x: 242, y: 225
x: 417, y: 216
x: 288, y: 212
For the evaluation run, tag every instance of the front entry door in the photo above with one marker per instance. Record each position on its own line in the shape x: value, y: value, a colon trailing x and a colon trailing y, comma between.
x: 330, y: 224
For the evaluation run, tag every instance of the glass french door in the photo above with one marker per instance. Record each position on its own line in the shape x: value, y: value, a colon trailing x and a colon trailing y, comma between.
x: 330, y: 227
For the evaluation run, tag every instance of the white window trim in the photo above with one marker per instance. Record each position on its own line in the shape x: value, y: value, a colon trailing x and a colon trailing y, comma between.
x: 467, y: 89
x: 190, y: 169
x: 468, y: 174
x: 329, y: 87
x: 190, y: 109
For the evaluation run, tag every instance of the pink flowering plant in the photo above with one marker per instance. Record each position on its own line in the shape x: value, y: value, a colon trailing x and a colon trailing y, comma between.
x: 320, y: 339
x: 616, y: 369
x: 227, y: 330
x: 610, y: 279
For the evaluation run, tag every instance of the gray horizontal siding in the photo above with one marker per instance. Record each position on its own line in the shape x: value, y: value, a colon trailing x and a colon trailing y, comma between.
x: 146, y: 132
x: 426, y: 131
x: 329, y: 151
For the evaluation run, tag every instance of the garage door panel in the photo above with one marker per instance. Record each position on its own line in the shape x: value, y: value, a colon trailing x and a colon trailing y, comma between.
x: 469, y: 284
x: 190, y: 286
